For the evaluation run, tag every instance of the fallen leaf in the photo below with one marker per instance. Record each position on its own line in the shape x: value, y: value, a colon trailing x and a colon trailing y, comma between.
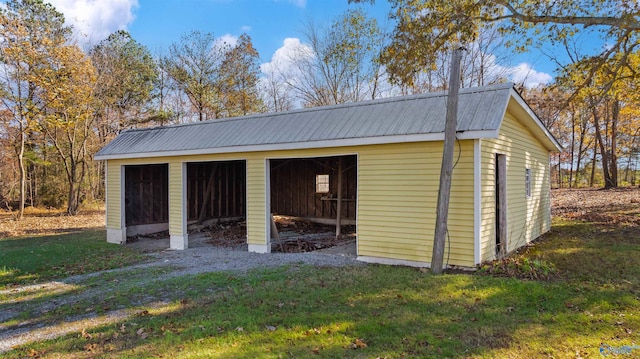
x: 359, y: 344
x: 85, y: 335
x: 34, y: 353
x: 271, y: 328
x: 239, y: 329
x: 140, y: 331
x: 315, y: 351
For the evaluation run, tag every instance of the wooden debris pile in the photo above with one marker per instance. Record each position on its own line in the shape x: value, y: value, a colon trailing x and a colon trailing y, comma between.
x: 299, y: 236
x: 229, y: 234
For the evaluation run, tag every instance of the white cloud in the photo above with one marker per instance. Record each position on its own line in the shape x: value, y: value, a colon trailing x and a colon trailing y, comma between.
x: 282, y: 61
x: 228, y: 39
x: 94, y: 20
x: 285, y: 70
x: 245, y: 28
x: 523, y: 73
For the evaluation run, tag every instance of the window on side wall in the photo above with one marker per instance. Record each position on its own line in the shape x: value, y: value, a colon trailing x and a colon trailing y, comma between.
x: 527, y: 182
x: 322, y: 183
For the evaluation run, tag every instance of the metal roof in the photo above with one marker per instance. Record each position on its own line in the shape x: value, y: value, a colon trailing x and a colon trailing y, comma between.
x: 398, y: 119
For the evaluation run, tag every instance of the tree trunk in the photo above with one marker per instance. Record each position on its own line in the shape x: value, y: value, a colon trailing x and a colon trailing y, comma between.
x: 608, y: 183
x: 23, y: 172
x: 74, y: 186
x: 613, y: 158
x: 573, y: 146
x: 581, y: 149
x: 593, y: 164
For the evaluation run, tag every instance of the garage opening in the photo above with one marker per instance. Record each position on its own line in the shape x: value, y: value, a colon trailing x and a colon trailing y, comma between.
x: 216, y: 202
x: 146, y: 199
x: 313, y: 204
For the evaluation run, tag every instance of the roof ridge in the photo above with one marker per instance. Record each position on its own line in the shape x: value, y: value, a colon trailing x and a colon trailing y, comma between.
x: 467, y: 90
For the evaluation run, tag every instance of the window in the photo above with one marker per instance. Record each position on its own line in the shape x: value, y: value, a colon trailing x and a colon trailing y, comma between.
x: 322, y: 183
x: 527, y: 182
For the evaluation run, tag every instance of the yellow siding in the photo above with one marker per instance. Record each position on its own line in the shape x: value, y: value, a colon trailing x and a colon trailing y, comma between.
x: 113, y: 181
x: 256, y: 205
x: 176, y: 223
x: 527, y: 218
x: 397, y: 196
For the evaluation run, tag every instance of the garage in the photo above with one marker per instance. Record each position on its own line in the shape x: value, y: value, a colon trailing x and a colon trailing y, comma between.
x: 313, y: 202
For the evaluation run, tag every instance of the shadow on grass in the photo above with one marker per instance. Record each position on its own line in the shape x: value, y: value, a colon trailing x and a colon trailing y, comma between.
x: 372, y: 311
x: 593, y: 253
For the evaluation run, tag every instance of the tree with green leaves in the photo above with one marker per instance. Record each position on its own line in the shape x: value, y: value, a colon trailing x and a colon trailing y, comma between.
x: 239, y: 72
x: 66, y: 88
x: 127, y: 74
x: 425, y: 28
x: 31, y: 31
x: 194, y: 64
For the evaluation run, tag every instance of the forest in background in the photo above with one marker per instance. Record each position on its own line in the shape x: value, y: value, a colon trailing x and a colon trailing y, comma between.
x: 60, y: 103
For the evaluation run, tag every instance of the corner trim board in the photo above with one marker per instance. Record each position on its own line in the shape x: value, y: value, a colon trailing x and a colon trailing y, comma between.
x: 477, y: 199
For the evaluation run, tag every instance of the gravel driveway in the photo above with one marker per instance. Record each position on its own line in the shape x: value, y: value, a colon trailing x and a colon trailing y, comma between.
x: 31, y: 312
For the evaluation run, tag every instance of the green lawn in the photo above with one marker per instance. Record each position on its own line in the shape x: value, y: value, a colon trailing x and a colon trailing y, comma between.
x: 25, y: 260
x: 591, y: 297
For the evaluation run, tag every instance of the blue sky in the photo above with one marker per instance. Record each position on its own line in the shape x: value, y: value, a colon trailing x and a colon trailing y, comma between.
x: 158, y: 23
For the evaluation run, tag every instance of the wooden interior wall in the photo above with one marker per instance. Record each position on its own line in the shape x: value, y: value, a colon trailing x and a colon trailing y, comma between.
x: 293, y: 187
x: 146, y: 194
x: 227, y: 197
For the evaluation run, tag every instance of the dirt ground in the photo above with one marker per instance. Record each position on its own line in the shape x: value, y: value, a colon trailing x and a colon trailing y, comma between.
x: 49, y: 221
x: 613, y: 206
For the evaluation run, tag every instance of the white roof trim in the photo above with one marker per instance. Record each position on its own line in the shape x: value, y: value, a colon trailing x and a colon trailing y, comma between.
x: 466, y: 135
x: 516, y: 96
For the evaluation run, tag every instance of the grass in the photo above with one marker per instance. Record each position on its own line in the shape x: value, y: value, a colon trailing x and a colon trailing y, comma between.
x: 373, y: 311
x: 28, y: 259
x: 582, y: 293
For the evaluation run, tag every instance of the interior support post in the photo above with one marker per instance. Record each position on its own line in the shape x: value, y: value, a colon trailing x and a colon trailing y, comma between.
x: 207, y: 193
